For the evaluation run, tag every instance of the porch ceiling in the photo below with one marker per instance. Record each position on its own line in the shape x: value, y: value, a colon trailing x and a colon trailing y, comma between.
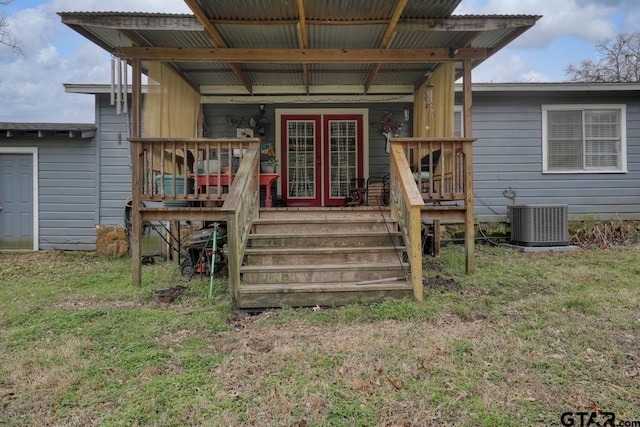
x: 236, y: 47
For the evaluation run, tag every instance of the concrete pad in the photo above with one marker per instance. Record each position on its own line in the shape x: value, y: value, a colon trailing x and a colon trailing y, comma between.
x: 567, y: 248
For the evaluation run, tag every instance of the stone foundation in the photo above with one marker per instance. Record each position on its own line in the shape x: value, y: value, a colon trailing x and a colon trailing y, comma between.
x: 111, y: 240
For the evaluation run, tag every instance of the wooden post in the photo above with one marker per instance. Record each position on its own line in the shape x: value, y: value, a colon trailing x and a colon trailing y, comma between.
x: 415, y: 242
x: 136, y: 174
x: 175, y: 238
x: 469, y: 217
x: 437, y: 241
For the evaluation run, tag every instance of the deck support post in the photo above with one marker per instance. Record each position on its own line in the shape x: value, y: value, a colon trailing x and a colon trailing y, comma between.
x: 135, y: 241
x: 469, y: 217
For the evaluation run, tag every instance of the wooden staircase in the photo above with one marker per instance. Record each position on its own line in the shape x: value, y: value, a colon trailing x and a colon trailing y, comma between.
x: 324, y: 256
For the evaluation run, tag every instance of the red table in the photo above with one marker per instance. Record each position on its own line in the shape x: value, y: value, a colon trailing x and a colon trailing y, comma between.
x: 266, y: 180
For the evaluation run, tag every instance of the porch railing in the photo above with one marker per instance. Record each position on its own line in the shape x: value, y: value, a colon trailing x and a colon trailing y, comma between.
x: 220, y: 175
x: 438, y: 166
x: 428, y: 170
x: 191, y: 171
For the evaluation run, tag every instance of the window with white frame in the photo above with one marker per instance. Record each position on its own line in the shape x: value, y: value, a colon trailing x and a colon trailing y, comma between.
x: 584, y: 138
x: 457, y: 122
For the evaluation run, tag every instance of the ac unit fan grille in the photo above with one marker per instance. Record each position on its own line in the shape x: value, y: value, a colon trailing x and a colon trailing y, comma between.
x: 540, y: 225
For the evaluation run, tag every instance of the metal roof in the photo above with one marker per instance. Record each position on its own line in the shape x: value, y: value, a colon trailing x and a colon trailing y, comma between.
x: 393, y: 43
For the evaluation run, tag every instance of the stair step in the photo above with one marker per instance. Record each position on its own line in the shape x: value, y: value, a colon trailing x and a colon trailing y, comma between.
x: 321, y: 294
x: 362, y: 212
x: 321, y: 225
x: 322, y: 255
x: 261, y: 288
x: 324, y: 273
x: 378, y: 238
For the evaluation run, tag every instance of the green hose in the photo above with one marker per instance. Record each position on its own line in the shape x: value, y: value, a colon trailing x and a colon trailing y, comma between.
x: 213, y: 259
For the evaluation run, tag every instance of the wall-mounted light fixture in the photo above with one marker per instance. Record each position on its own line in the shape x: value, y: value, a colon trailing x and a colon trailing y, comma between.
x: 406, y: 113
x: 453, y: 51
x: 261, y: 108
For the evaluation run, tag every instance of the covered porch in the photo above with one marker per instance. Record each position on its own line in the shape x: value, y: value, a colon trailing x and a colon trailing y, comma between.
x: 388, y: 235
x: 344, y: 61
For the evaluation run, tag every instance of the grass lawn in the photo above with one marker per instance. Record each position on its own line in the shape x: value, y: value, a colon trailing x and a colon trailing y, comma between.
x: 524, y: 340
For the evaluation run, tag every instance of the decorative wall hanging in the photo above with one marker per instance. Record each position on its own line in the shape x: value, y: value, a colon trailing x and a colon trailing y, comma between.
x: 388, y: 128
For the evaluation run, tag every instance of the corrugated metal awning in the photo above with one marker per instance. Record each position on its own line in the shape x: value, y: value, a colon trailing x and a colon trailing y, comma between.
x: 270, y: 46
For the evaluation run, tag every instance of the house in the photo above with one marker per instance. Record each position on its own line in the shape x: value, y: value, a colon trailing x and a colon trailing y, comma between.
x: 324, y: 72
x: 83, y: 178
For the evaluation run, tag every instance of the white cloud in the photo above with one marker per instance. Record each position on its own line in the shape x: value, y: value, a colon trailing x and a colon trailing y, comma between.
x: 567, y: 32
x: 34, y: 81
x: 166, y: 6
x: 591, y: 21
x: 504, y: 67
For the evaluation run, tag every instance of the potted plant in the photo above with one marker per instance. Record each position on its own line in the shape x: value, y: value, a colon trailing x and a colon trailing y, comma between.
x: 268, y: 164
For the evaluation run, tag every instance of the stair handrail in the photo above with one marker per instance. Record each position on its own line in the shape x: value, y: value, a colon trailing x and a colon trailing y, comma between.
x: 242, y: 207
x: 406, y: 203
x: 393, y: 241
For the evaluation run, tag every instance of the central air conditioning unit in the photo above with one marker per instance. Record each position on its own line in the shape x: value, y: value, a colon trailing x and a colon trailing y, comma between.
x: 539, y: 225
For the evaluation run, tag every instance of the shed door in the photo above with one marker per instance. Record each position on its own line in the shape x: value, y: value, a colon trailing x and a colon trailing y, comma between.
x: 16, y: 202
x: 322, y: 157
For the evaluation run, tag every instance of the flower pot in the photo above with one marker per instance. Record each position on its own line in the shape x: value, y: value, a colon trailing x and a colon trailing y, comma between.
x: 267, y: 167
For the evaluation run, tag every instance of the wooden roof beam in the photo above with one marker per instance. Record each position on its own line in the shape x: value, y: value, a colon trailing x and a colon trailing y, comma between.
x: 132, y: 22
x: 467, y: 23
x: 454, y: 23
x: 136, y: 40
x: 303, y: 40
x: 302, y: 56
x: 217, y: 41
x: 387, y: 38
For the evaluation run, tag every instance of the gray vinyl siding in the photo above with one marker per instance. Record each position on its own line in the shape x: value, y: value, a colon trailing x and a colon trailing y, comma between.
x: 67, y: 194
x: 508, y: 155
x: 67, y: 191
x: 114, y: 162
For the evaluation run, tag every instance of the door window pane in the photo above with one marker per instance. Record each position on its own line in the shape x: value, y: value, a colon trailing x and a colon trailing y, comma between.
x: 301, y: 156
x: 342, y: 157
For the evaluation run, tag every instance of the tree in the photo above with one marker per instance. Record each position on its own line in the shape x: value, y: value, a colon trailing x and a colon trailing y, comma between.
x: 618, y: 61
x: 6, y: 36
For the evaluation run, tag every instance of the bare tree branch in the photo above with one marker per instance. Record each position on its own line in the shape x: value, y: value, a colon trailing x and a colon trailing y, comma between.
x: 6, y: 36
x: 617, y: 61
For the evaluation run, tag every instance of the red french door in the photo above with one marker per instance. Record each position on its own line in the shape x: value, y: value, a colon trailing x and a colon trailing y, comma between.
x: 321, y: 158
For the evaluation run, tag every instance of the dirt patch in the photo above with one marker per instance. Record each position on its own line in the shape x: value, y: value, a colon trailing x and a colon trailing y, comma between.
x: 84, y: 304
x: 441, y: 284
x: 75, y: 304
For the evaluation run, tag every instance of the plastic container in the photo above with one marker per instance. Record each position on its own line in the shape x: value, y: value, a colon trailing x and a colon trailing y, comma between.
x: 213, y: 166
x: 166, y: 185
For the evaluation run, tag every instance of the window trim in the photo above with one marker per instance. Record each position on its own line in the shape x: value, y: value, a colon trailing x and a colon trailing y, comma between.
x: 582, y: 107
x: 459, y: 109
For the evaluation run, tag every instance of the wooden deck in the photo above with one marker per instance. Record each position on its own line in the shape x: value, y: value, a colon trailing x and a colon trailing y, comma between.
x: 306, y: 256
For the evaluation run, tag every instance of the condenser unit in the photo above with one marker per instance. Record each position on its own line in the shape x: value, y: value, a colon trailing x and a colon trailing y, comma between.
x: 539, y: 225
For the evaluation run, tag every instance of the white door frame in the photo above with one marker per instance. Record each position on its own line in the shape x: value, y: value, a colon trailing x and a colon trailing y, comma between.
x: 34, y: 153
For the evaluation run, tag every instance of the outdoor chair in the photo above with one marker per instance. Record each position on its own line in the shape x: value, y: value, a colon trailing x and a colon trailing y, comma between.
x: 423, y: 174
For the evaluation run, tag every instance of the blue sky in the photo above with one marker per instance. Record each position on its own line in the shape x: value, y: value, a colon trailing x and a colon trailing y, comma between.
x: 31, y: 85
